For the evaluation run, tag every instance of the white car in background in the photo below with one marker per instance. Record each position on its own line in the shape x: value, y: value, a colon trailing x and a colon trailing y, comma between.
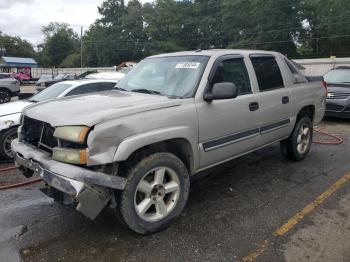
x: 9, y: 87
x: 107, y: 75
x: 10, y: 113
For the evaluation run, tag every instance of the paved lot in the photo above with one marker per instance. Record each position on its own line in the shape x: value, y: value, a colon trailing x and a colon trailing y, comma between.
x: 232, y: 215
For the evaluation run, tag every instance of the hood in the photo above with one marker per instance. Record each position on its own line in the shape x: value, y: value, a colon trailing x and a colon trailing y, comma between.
x: 98, y: 107
x: 13, y: 107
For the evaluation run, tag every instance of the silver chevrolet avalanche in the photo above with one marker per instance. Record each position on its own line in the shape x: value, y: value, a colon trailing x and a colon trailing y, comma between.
x: 174, y: 115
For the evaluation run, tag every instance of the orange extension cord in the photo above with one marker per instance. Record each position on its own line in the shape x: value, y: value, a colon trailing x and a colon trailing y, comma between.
x: 338, y: 141
x: 25, y: 183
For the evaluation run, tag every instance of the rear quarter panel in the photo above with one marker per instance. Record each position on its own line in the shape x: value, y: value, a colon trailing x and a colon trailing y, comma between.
x: 306, y: 94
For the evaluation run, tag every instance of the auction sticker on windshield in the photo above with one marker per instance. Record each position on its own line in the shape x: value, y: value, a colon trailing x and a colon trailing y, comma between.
x: 190, y: 65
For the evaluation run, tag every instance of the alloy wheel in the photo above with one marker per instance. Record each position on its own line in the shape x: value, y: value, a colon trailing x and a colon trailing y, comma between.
x: 157, y: 194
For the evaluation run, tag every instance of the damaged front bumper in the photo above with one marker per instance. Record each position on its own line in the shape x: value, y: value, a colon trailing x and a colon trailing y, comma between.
x: 90, y: 189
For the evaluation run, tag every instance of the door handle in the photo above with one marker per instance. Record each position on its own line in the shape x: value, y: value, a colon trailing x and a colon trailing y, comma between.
x: 285, y: 100
x: 253, y: 106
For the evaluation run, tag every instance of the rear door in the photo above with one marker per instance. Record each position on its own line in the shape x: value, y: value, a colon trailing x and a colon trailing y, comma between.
x: 275, y: 108
x: 228, y: 128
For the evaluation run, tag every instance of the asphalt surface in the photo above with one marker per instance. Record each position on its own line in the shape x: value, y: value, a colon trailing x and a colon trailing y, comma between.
x: 229, y: 214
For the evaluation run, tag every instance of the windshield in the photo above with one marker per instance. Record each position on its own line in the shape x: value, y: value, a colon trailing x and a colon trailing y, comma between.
x: 45, y: 77
x: 338, y: 76
x: 59, y: 77
x: 169, y: 76
x: 51, y: 92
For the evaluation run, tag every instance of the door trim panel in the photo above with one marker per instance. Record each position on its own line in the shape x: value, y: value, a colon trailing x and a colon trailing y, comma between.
x: 234, y: 138
x: 230, y: 139
x: 274, y: 126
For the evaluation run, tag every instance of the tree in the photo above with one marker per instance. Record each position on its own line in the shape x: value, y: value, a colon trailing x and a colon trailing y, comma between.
x: 328, y: 30
x: 60, y: 41
x: 15, y: 46
x: 117, y: 36
x: 72, y: 60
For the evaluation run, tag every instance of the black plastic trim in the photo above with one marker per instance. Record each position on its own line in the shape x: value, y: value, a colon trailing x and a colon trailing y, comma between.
x: 229, y: 139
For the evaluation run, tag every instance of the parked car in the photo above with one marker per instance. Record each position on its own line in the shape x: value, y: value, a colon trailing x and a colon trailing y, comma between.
x: 9, y: 87
x: 10, y: 113
x: 44, y: 78
x: 338, y: 97
x: 42, y: 84
x: 107, y: 75
x: 172, y: 116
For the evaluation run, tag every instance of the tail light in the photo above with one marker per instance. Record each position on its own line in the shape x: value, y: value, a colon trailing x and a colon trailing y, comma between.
x: 324, y: 84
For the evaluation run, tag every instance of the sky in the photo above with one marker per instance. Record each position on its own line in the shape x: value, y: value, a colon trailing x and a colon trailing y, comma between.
x: 25, y: 18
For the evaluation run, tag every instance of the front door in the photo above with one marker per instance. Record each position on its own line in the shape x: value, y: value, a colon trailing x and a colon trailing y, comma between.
x: 228, y: 128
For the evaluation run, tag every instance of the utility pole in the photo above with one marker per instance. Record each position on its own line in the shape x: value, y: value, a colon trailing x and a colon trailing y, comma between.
x: 81, y: 47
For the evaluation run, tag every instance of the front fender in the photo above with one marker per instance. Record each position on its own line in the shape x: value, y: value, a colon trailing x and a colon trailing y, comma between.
x: 130, y: 144
x: 9, y: 121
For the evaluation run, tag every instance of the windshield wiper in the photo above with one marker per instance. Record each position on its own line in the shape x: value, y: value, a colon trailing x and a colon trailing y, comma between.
x: 146, y: 91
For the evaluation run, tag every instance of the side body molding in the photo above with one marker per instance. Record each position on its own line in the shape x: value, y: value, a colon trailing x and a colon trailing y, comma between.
x: 133, y: 143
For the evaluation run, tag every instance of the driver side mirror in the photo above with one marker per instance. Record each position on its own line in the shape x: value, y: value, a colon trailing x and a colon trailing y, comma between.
x: 224, y: 90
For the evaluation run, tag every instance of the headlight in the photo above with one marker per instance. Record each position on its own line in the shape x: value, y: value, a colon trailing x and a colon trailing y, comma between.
x: 75, y: 134
x: 72, y: 156
x: 9, y: 123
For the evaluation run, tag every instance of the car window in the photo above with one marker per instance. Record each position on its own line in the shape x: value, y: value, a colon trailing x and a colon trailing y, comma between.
x: 45, y: 77
x: 59, y: 77
x: 70, y: 77
x: 234, y: 71
x: 267, y: 72
x: 93, y: 87
x: 3, y: 76
x: 338, y: 76
x: 51, y: 92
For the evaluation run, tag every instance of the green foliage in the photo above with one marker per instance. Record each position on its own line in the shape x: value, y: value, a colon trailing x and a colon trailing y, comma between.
x: 132, y: 31
x: 60, y: 42
x: 329, y: 30
x: 71, y: 61
x: 15, y: 46
x: 129, y: 30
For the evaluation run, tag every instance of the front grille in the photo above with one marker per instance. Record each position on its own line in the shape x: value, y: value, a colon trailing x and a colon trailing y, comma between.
x: 334, y: 107
x: 38, y: 134
x: 338, y: 95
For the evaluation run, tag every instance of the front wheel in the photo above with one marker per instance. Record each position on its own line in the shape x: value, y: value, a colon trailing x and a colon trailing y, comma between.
x: 155, y: 194
x: 5, y: 96
x: 6, y: 138
x: 298, y: 145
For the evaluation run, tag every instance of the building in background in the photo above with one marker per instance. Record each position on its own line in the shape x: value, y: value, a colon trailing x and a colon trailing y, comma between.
x: 21, y: 67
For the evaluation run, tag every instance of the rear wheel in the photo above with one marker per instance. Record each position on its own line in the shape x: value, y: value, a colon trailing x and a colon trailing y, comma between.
x: 5, y: 96
x: 298, y: 145
x: 6, y: 139
x: 155, y: 194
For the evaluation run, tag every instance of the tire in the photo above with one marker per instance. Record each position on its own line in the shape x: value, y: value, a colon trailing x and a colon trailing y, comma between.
x: 5, y: 95
x: 298, y: 145
x: 147, y: 182
x: 6, y: 138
